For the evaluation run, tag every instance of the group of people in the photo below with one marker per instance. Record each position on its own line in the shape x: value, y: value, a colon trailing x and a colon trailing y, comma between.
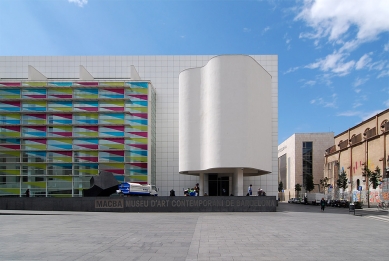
x: 193, y: 192
x: 260, y: 192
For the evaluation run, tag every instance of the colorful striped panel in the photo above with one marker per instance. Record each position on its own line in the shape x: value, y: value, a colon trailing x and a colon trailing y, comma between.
x: 60, y: 119
x: 86, y: 131
x: 35, y: 144
x: 63, y: 144
x: 34, y: 119
x: 87, y: 168
x: 10, y: 105
x: 8, y: 170
x: 9, y: 131
x: 10, y: 156
x: 9, y: 119
x: 34, y: 131
x: 111, y: 93
x: 111, y: 105
x: 137, y: 87
x: 33, y: 156
x: 111, y: 118
x: 60, y: 84
x: 61, y: 131
x: 34, y: 105
x: 34, y: 93
x: 60, y: 156
x: 86, y: 93
x: 86, y: 118
x: 10, y: 84
x: 34, y: 84
x: 116, y: 168
x: 111, y: 156
x: 60, y: 106
x: 86, y: 106
x: 113, y: 84
x: 9, y: 94
x: 34, y: 169
x: 86, y: 156
x: 60, y: 169
x: 85, y: 84
x: 10, y: 144
x: 113, y: 131
x: 61, y: 93
x: 82, y: 144
x: 111, y: 143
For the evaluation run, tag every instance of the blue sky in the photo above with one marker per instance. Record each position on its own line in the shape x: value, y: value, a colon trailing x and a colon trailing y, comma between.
x: 333, y: 54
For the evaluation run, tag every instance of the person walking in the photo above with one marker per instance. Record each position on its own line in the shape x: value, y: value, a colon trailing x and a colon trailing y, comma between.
x: 27, y: 193
x: 250, y: 190
x: 322, y: 204
x: 197, y: 189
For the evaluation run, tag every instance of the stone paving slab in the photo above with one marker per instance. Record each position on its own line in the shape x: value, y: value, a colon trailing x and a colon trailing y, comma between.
x: 294, y: 232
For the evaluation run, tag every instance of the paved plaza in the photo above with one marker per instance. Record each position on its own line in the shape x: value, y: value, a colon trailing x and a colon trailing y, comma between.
x: 294, y: 232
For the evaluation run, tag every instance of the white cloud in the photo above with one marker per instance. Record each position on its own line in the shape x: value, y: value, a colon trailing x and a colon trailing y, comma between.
x: 359, y: 81
x: 383, y: 74
x: 266, y: 29
x: 386, y: 47
x: 291, y: 70
x: 363, y: 61
x: 80, y: 3
x: 333, y: 18
x: 386, y: 103
x: 329, y: 104
x: 334, y: 63
x: 246, y: 30
x: 360, y: 114
x: 349, y: 113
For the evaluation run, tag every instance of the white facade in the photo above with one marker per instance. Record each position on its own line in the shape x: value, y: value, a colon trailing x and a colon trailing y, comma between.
x: 291, y: 153
x: 163, y: 72
x: 225, y: 117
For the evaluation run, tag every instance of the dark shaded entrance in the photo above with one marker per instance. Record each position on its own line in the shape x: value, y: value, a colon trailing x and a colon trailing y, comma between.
x: 218, y: 186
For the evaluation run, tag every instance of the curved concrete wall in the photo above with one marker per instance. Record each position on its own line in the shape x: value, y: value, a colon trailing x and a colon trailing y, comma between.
x: 225, y: 115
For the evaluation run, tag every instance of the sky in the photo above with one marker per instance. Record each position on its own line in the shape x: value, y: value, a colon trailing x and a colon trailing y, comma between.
x: 333, y: 55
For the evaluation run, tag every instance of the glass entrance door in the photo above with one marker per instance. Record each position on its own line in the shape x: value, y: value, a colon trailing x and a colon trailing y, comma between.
x: 218, y: 186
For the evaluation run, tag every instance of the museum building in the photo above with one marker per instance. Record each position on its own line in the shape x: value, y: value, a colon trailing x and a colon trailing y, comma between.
x: 170, y: 121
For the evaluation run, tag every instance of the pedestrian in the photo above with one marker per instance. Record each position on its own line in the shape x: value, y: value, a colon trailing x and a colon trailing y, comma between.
x: 259, y: 192
x: 197, y: 189
x: 322, y: 204
x: 28, y: 193
x: 250, y: 190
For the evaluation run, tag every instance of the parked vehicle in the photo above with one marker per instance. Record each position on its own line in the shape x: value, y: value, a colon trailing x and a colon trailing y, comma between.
x: 314, y: 198
x: 296, y: 201
x: 291, y: 200
x: 136, y: 189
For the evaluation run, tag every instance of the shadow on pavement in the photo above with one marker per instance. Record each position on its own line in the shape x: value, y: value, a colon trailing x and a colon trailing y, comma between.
x: 289, y: 207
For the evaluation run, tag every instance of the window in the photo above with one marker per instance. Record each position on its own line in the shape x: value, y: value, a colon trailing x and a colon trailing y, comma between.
x: 307, y: 160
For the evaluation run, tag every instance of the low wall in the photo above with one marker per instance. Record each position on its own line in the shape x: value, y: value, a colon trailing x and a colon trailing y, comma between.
x: 144, y: 204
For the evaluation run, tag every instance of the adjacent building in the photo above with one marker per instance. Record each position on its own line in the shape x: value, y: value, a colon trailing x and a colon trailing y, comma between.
x: 364, y: 145
x: 65, y: 118
x: 302, y: 154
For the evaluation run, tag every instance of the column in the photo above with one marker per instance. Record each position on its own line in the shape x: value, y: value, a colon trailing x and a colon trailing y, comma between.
x: 237, y: 182
x: 201, y: 183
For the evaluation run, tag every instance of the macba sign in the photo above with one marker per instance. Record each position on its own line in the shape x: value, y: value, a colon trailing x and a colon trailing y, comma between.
x: 187, y: 204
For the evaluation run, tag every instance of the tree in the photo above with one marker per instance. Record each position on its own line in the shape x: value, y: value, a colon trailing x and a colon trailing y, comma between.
x: 372, y: 179
x: 342, y: 180
x: 280, y: 186
x: 309, y: 186
x: 324, y: 183
x: 297, y: 188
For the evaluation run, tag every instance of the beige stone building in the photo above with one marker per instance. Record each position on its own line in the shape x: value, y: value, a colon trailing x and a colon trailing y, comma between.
x: 365, y: 144
x: 301, y: 155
